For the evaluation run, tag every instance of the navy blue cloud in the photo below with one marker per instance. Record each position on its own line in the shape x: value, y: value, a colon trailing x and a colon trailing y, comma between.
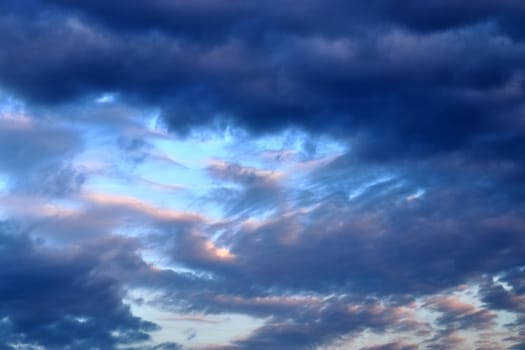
x: 372, y: 70
x: 63, y: 298
x: 235, y: 17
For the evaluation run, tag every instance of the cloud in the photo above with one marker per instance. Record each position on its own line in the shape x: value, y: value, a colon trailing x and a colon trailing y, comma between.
x: 460, y: 314
x: 425, y: 98
x: 162, y: 346
x: 71, y: 300
x: 245, y: 190
x: 510, y: 298
x: 199, y: 20
x: 446, y: 339
x: 392, y: 346
x: 37, y: 156
x: 385, y: 243
x: 324, y: 323
x: 402, y: 249
x: 499, y: 298
x: 368, y: 74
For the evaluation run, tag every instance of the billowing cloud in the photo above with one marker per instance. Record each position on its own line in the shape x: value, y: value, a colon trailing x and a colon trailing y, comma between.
x: 364, y: 73
x: 70, y: 301
x: 341, y: 174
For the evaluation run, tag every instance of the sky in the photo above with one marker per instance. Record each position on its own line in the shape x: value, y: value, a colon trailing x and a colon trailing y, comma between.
x: 258, y: 175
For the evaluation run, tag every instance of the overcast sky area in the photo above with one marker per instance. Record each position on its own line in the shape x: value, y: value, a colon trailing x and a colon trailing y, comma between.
x: 259, y: 175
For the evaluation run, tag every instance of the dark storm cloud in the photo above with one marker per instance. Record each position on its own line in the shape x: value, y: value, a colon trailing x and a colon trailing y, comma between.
x: 432, y: 15
x: 198, y: 19
x: 206, y: 18
x: 65, y: 298
x: 372, y: 70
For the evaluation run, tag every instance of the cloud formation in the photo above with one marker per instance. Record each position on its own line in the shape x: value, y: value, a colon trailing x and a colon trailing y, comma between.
x: 330, y: 170
x: 373, y: 70
x: 64, y: 298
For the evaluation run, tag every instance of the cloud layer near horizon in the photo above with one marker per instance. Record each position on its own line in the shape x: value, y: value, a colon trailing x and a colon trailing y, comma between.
x: 346, y: 174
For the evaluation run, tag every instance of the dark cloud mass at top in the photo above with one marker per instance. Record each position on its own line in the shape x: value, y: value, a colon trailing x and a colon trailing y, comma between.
x: 422, y: 77
x: 411, y: 235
